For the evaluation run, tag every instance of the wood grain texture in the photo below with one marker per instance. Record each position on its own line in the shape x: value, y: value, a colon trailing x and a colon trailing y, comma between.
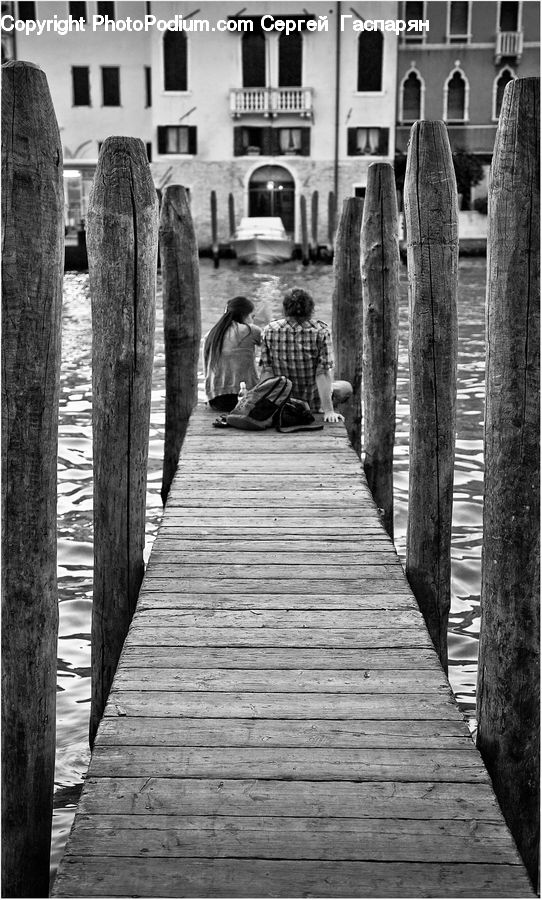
x: 280, y: 724
x: 32, y: 266
x: 122, y: 241
x: 182, y: 321
x: 380, y: 281
x: 431, y: 217
x: 509, y: 672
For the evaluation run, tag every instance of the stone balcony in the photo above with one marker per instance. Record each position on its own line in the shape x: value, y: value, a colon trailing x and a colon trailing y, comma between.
x: 508, y: 44
x: 271, y: 102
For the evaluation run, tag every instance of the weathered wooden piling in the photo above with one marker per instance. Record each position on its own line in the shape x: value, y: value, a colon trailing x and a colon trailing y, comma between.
x: 214, y: 231
x: 231, y: 213
x: 32, y: 266
x: 182, y: 322
x: 331, y: 220
x: 432, y: 255
x: 347, y: 314
x: 314, y: 224
x: 508, y: 675
x: 122, y: 237
x: 304, y: 231
x: 380, y: 280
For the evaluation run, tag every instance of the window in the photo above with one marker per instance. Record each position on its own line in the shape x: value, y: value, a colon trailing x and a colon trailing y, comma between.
x: 455, y: 98
x: 367, y: 141
x: 81, y: 85
x: 508, y: 15
x: 148, y: 86
x: 106, y: 9
x: 458, y: 28
x: 268, y: 141
x: 360, y: 191
x: 110, y: 86
x: 175, y: 61
x: 290, y: 60
x: 502, y: 80
x: 414, y: 9
x: 77, y: 9
x: 26, y: 10
x: 253, y: 53
x: 148, y: 148
x: 177, y: 139
x: 370, y: 49
x: 411, y: 98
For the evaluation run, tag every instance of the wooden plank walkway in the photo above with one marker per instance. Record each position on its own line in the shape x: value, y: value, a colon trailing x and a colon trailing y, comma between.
x: 279, y: 724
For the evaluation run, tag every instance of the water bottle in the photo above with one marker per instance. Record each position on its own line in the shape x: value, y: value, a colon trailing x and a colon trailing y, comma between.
x: 242, y: 391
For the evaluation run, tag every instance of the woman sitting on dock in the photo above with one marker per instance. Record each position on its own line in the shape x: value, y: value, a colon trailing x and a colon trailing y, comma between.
x: 229, y: 354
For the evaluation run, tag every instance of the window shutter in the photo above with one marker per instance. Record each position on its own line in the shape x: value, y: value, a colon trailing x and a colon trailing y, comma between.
x: 305, y: 142
x: 192, y: 139
x: 162, y: 138
x: 383, y: 144
x: 238, y: 149
x: 352, y: 141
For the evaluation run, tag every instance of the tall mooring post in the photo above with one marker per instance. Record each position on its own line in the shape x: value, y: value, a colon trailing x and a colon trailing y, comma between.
x: 347, y: 313
x: 380, y: 279
x: 32, y: 269
x: 509, y: 661
x: 214, y: 231
x: 182, y: 322
x: 431, y: 217
x: 122, y: 239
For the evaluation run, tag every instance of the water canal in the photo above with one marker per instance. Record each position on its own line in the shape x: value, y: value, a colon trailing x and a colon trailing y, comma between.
x: 266, y: 287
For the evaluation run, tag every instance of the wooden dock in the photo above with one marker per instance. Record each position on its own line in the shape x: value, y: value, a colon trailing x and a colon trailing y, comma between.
x: 279, y: 724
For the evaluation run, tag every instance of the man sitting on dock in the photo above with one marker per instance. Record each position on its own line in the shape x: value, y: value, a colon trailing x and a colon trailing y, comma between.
x: 299, y: 347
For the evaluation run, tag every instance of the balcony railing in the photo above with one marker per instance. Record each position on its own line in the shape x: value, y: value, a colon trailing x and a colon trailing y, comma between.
x: 509, y: 43
x: 271, y: 102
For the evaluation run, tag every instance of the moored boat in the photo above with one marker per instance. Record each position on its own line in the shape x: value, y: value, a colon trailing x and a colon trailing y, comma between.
x: 262, y: 240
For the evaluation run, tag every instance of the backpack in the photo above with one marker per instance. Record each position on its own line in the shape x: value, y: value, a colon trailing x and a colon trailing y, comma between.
x: 257, y: 409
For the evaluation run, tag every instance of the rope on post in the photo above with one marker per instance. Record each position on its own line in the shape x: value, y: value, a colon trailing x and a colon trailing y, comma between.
x: 122, y: 237
x: 431, y: 217
x: 182, y: 322
x: 32, y: 267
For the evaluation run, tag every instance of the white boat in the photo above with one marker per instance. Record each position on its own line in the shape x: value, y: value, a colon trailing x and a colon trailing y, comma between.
x: 262, y: 240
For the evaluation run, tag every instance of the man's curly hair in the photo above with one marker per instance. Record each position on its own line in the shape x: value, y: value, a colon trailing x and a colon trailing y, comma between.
x: 298, y: 304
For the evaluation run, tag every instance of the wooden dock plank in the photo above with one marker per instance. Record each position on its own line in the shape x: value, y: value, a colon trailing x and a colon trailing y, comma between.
x: 279, y: 724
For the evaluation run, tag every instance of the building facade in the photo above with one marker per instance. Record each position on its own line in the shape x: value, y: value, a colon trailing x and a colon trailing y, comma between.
x: 241, y: 103
x: 458, y: 69
x: 273, y: 101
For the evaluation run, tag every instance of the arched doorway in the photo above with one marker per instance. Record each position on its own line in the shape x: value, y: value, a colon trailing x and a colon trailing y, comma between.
x: 271, y: 192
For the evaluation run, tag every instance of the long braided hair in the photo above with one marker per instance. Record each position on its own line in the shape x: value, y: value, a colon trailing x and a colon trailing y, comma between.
x: 236, y: 310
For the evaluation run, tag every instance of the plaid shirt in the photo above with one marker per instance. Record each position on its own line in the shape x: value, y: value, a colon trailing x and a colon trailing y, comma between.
x: 299, y: 350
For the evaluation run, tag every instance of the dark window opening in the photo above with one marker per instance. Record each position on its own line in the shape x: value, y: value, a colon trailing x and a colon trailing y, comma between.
x: 26, y: 10
x: 81, y: 86
x: 106, y: 9
x: 370, y: 50
x: 459, y: 21
x: 177, y: 139
x: 504, y: 78
x: 412, y: 98
x: 77, y: 9
x: 360, y: 192
x: 175, y: 61
x: 368, y: 141
x: 414, y: 9
x: 508, y: 16
x: 148, y: 86
x: 290, y: 60
x: 148, y: 148
x: 456, y: 98
x: 110, y: 86
x: 268, y: 141
x: 253, y: 52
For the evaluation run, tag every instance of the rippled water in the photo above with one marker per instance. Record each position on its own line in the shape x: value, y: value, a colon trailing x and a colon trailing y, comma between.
x: 75, y: 482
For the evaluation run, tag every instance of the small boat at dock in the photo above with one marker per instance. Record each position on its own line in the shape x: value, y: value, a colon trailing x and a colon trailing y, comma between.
x: 262, y: 240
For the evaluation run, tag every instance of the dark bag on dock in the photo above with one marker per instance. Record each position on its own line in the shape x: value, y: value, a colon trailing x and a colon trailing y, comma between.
x: 258, y: 408
x: 295, y: 415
